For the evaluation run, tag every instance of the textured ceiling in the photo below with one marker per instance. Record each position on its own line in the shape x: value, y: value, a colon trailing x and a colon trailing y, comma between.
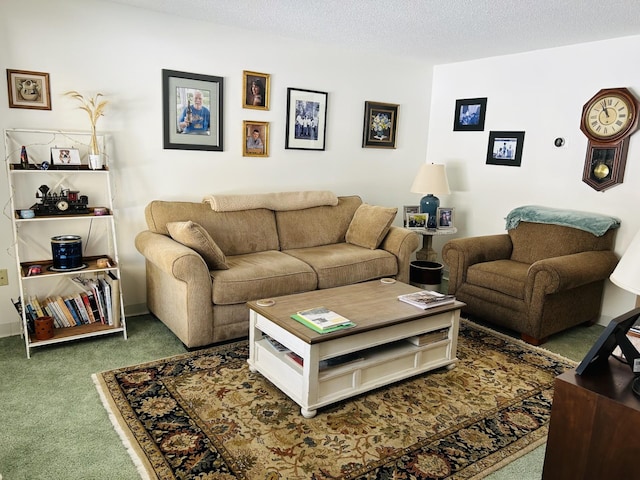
x: 438, y: 31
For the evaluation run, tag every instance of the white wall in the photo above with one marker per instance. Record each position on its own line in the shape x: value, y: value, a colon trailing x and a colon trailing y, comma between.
x: 541, y: 93
x: 94, y: 46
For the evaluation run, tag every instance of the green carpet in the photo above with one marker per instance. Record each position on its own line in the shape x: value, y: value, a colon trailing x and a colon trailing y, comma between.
x: 54, y: 425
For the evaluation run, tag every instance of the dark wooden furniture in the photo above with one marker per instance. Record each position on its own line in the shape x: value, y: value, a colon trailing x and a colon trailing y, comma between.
x: 595, y: 426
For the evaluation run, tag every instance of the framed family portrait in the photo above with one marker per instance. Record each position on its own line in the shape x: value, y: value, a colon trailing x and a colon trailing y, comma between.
x: 445, y: 218
x: 255, y: 139
x: 192, y: 111
x: 469, y: 115
x: 380, y: 125
x: 306, y: 119
x: 406, y: 210
x: 505, y: 148
x: 256, y: 87
x: 29, y: 89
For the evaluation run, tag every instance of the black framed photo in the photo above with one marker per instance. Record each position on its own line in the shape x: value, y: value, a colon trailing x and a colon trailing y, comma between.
x: 469, y: 115
x: 306, y: 119
x: 192, y: 111
x: 505, y: 148
x: 380, y: 125
x: 29, y: 89
x: 257, y: 87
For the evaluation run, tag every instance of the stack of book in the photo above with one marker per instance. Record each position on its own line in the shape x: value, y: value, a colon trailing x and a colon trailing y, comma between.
x: 427, y: 299
x: 322, y: 320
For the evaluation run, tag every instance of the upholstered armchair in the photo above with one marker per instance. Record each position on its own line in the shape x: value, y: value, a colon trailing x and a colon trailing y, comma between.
x: 546, y: 274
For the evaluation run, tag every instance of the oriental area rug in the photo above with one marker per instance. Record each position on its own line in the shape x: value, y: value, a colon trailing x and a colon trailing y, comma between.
x: 204, y: 415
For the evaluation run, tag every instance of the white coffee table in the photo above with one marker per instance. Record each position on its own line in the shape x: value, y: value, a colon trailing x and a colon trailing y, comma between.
x: 384, y: 325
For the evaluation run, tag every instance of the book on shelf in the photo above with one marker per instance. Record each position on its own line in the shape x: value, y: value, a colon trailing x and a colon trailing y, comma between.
x: 322, y: 320
x: 329, y: 362
x: 430, y: 337
x: 427, y: 299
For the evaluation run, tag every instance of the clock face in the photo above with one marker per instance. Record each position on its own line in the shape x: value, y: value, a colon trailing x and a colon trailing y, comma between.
x: 608, y: 116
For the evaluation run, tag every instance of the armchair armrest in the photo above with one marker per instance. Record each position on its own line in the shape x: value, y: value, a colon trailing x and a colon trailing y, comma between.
x: 556, y: 274
x: 461, y: 253
x: 401, y: 242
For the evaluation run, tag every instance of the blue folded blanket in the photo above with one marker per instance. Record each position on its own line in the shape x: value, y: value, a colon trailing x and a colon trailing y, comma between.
x: 595, y: 223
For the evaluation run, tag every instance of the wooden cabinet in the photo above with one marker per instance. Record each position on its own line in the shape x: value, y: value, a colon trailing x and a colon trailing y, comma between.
x: 595, y: 426
x: 82, y: 209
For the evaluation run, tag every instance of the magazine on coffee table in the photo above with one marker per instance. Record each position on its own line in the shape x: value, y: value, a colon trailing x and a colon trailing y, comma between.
x: 427, y: 299
x: 322, y: 320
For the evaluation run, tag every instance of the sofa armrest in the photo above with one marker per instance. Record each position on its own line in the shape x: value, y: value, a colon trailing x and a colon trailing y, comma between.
x: 461, y: 253
x: 401, y: 242
x: 556, y: 274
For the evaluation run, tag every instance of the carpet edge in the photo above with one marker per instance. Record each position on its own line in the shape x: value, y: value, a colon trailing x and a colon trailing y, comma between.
x: 139, y: 460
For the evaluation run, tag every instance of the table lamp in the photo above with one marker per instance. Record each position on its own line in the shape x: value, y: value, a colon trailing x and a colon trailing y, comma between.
x: 627, y: 273
x: 431, y: 180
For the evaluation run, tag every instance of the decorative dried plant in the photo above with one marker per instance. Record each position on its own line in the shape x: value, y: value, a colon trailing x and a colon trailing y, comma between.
x: 95, y: 109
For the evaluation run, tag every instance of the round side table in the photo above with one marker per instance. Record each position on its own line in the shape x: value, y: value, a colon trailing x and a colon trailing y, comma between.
x: 427, y: 252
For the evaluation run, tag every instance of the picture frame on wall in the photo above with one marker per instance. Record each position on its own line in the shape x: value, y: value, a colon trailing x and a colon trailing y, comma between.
x: 306, y: 119
x: 406, y: 210
x: 445, y: 218
x: 29, y: 89
x: 505, y: 148
x: 192, y: 111
x: 469, y: 115
x: 257, y: 88
x: 255, y: 139
x: 380, y: 125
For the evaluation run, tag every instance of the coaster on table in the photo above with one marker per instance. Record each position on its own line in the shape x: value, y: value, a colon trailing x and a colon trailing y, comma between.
x: 267, y: 302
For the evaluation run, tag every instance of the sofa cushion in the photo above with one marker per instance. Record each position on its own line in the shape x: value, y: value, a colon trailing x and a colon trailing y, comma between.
x: 194, y: 236
x: 344, y: 263
x: 260, y: 275
x: 369, y: 225
x: 505, y: 276
x: 316, y: 226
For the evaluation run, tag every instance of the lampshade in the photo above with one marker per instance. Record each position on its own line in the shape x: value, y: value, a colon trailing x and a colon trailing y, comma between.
x: 627, y: 273
x: 431, y: 178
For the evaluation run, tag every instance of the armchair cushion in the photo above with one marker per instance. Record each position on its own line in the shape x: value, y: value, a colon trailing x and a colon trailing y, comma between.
x: 369, y: 225
x: 197, y: 238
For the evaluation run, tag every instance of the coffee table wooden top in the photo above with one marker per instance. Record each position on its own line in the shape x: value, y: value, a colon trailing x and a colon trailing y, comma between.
x: 370, y: 305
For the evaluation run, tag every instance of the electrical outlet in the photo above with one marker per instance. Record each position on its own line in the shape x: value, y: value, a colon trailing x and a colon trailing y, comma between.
x: 4, y: 279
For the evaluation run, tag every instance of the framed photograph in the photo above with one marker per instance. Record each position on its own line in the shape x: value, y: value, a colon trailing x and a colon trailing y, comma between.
x: 380, y: 125
x: 306, y: 119
x: 256, y: 87
x: 29, y: 89
x: 417, y: 220
x: 192, y: 111
x: 469, y: 115
x: 406, y: 210
x: 505, y: 148
x: 255, y: 139
x: 65, y: 156
x: 445, y: 218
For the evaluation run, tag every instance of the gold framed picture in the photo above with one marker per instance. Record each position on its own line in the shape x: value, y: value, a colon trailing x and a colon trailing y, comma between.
x: 255, y: 139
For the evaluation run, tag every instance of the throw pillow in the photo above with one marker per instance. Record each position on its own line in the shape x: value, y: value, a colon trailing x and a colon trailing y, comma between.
x: 369, y: 225
x: 194, y: 236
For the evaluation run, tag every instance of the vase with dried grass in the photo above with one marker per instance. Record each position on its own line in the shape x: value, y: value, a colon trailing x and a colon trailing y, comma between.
x: 95, y: 109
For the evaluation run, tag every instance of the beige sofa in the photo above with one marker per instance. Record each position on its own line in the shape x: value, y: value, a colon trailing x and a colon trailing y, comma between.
x: 259, y: 247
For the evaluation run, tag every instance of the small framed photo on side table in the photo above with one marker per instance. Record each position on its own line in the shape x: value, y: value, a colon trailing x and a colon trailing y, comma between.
x: 445, y: 218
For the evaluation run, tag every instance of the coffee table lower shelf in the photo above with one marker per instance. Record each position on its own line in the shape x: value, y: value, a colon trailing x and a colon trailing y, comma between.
x: 386, y: 355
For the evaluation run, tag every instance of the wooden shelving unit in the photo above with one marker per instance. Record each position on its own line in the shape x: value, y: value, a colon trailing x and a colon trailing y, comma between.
x: 32, y: 236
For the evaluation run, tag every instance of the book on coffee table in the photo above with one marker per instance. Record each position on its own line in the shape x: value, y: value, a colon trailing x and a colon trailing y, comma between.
x: 427, y: 299
x: 322, y: 320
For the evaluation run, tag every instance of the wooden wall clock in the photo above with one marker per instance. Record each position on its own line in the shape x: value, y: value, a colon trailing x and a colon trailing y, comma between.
x: 609, y: 118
